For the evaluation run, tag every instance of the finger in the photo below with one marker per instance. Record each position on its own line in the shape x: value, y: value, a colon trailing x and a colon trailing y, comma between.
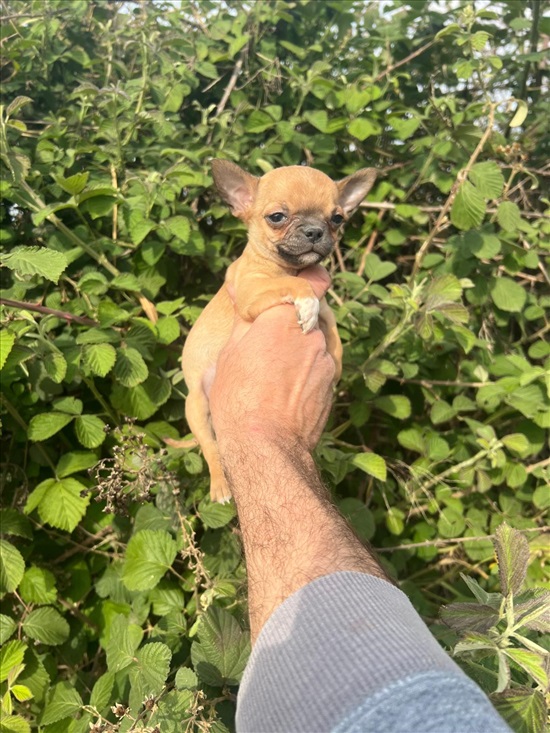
x: 318, y: 278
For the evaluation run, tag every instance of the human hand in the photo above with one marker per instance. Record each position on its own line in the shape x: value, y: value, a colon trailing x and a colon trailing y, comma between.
x: 272, y: 381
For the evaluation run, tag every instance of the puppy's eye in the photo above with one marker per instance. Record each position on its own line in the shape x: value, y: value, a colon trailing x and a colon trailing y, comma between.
x: 337, y: 219
x: 277, y: 218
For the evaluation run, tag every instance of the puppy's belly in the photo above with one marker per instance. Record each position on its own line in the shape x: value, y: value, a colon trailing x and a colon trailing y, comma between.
x: 205, y: 341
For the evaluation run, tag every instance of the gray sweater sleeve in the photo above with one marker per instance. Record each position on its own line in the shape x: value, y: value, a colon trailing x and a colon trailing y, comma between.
x: 348, y: 653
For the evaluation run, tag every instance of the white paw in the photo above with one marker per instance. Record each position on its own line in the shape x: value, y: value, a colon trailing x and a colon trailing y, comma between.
x: 307, y: 310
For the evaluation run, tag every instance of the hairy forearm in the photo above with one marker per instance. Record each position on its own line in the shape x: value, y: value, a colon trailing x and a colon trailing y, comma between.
x: 292, y: 533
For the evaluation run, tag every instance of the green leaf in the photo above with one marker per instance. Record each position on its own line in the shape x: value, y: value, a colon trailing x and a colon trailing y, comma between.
x: 130, y: 369
x: 14, y: 724
x: 215, y: 515
x: 525, y: 710
x: 150, y: 668
x: 479, y: 40
x: 517, y: 442
x: 63, y: 701
x: 508, y: 295
x: 21, y: 692
x: 186, y: 679
x: 220, y: 655
x: 362, y: 128
x: 412, y: 439
x: 395, y: 521
x: 47, y: 424
x: 376, y: 269
x: 73, y: 184
x: 318, y: 119
x: 258, y: 121
x: 16, y: 104
x: 41, y: 261
x: 101, y: 693
x: 12, y: 567
x: 469, y: 616
x: 70, y: 405
x: 371, y: 463
x: 75, y: 462
x: 468, y: 209
x: 99, y: 358
x: 168, y: 329
x: 7, y: 627
x: 488, y: 179
x: 47, y: 626
x: 520, y: 114
x: 59, y: 503
x: 38, y: 586
x: 90, y: 430
x: 451, y: 523
x: 441, y: 412
x: 148, y: 556
x: 55, y: 366
x: 534, y: 664
x: 179, y: 227
x: 512, y: 552
x: 11, y: 656
x: 397, y: 406
x: 7, y: 341
x: 124, y: 639
x: 359, y: 516
x: 13, y: 522
x: 509, y: 216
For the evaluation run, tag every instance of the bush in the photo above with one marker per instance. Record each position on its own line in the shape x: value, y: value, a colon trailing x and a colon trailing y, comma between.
x: 123, y: 587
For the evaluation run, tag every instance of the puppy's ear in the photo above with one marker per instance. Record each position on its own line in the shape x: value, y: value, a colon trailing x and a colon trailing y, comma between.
x: 236, y: 187
x: 354, y: 188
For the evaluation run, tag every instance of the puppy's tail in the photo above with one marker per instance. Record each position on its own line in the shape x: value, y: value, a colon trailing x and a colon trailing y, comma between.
x: 190, y: 443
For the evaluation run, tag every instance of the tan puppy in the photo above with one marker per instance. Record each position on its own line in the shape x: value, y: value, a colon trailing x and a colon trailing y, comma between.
x: 294, y: 217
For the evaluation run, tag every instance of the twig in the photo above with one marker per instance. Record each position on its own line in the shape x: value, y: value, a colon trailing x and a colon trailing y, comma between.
x: 453, y: 541
x: 382, y: 206
x: 461, y: 177
x: 437, y: 382
x: 231, y: 84
x: 370, y: 244
x: 408, y: 58
x: 540, y: 464
x: 48, y: 311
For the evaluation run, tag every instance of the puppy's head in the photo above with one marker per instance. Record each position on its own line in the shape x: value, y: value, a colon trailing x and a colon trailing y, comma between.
x: 294, y: 214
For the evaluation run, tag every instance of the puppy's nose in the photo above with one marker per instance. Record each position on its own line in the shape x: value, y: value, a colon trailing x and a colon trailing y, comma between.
x: 314, y: 234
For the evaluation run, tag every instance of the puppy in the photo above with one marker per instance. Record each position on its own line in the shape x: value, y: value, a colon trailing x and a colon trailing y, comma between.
x: 294, y: 216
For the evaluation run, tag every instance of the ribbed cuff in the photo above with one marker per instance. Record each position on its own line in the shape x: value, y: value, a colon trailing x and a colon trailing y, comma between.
x: 337, y: 641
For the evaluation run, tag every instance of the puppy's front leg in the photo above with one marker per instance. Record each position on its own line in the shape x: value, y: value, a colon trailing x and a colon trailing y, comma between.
x: 256, y: 295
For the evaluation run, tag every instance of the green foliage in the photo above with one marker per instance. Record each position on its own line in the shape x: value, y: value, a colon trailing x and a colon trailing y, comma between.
x: 123, y: 601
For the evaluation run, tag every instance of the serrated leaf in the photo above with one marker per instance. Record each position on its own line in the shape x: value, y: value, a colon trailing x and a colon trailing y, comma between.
x: 524, y: 710
x: 376, y: 269
x: 73, y: 184
x: 101, y: 693
x: 362, y: 128
x: 59, y: 503
x: 186, y: 679
x: 517, y: 442
x: 469, y: 616
x: 90, y: 430
x: 371, y: 463
x: 443, y: 289
x: 38, y: 586
x: 41, y: 261
x: 509, y: 216
x: 512, y: 550
x: 179, y: 226
x: 441, y: 412
x: 479, y: 39
x: 168, y: 329
x: 397, y: 406
x: 11, y: 655
x: 55, y: 365
x: 488, y: 179
x: 150, y: 667
x: 16, y: 104
x: 508, y: 295
x: 215, y: 515
x: 412, y: 439
x: 12, y: 567
x: 149, y: 555
x: 535, y: 612
x: 47, y: 626
x: 220, y: 655
x: 317, y: 118
x: 468, y: 209
x: 13, y: 522
x: 74, y: 462
x: 14, y: 724
x: 99, y: 358
x: 534, y: 664
x: 21, y: 692
x: 63, y: 701
x: 475, y: 641
x: 7, y: 341
x: 520, y: 114
x: 70, y: 405
x: 47, y: 424
x: 7, y: 627
x: 130, y: 368
x: 258, y: 121
x: 124, y: 639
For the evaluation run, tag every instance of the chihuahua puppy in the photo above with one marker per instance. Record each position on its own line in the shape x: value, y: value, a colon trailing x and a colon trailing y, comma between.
x: 294, y: 217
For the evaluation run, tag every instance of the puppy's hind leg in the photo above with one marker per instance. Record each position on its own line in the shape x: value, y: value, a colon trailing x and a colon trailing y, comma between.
x: 197, y: 413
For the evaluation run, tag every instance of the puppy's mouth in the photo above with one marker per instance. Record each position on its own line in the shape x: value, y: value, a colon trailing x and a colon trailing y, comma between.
x: 301, y: 259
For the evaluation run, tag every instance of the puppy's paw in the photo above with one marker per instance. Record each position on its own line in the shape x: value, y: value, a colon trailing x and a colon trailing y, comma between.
x: 307, y: 310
